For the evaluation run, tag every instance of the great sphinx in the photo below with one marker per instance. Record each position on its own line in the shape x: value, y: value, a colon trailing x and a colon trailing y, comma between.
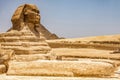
x: 24, y: 41
x: 25, y: 36
x: 29, y: 15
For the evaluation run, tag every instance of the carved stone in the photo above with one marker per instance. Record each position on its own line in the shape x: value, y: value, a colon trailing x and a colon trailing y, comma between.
x: 24, y: 42
x: 29, y: 15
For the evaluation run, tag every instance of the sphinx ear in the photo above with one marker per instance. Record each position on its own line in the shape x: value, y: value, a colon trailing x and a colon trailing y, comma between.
x: 18, y: 13
x: 18, y: 17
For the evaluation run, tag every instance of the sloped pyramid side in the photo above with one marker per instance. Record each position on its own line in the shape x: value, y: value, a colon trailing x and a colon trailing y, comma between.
x: 48, y: 35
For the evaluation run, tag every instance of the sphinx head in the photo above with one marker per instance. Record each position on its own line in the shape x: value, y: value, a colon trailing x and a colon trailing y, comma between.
x: 25, y: 14
x: 31, y: 14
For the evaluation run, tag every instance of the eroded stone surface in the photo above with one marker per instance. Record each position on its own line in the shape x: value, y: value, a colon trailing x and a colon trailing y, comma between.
x: 2, y: 68
x: 61, y: 68
x: 5, y: 57
x: 24, y: 37
x: 29, y: 15
x: 24, y: 42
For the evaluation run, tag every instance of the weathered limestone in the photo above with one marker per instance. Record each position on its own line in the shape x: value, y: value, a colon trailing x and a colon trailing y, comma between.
x: 72, y: 53
x: 5, y: 56
x: 28, y: 14
x: 61, y: 68
x: 24, y: 38
x: 24, y: 42
x: 2, y: 68
x: 31, y: 57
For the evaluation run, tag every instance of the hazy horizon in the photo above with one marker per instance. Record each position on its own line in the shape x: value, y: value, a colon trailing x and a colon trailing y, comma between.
x: 69, y: 18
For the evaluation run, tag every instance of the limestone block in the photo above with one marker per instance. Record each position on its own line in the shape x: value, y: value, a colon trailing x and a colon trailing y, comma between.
x: 61, y: 68
x: 25, y: 44
x: 2, y: 68
x: 31, y: 57
x: 5, y: 55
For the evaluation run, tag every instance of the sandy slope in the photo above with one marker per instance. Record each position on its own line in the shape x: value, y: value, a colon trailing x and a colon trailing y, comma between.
x: 94, y: 38
x: 85, y: 53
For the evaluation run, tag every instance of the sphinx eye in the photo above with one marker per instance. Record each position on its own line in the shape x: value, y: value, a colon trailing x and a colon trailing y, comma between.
x: 25, y: 13
x: 35, y: 10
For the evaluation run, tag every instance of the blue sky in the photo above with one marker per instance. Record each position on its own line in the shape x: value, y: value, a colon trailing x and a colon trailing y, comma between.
x: 70, y: 18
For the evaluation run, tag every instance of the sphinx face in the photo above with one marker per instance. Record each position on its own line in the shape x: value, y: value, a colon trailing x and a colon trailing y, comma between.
x: 31, y: 16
